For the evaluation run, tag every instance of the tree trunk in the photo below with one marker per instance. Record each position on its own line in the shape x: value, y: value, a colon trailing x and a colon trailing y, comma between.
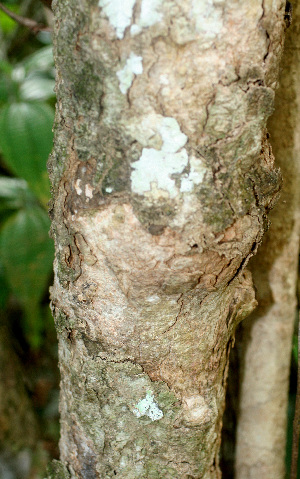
x: 162, y: 178
x: 267, y: 333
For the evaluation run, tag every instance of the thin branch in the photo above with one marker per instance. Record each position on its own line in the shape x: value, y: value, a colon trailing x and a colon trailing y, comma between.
x: 26, y: 22
x: 296, y: 423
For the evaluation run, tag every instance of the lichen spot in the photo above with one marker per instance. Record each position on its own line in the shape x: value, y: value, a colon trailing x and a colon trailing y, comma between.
x: 133, y: 66
x: 153, y: 299
x: 148, y: 407
x: 135, y: 29
x: 149, y: 15
x: 154, y: 170
x: 119, y: 13
x: 195, y: 176
x: 77, y: 186
x: 89, y: 191
x: 207, y: 17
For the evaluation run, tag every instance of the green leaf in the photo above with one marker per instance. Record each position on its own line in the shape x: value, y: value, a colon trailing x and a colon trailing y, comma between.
x: 5, y: 67
x: 4, y: 289
x: 26, y: 141
x: 40, y: 60
x: 7, y: 24
x: 4, y: 89
x: 15, y: 194
x: 27, y: 254
x: 9, y: 3
x: 37, y: 86
x: 8, y: 89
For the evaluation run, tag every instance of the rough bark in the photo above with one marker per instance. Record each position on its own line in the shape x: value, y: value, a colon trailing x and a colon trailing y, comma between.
x: 162, y: 178
x: 267, y: 333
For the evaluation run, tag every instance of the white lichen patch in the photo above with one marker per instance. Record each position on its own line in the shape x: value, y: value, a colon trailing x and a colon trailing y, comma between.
x: 148, y: 407
x: 155, y: 167
x: 89, y: 191
x: 119, y: 13
x: 153, y: 299
x: 133, y: 66
x: 150, y: 14
x: 135, y: 29
x: 208, y: 18
x: 77, y: 186
x: 173, y: 138
x: 195, y: 176
x: 164, y: 80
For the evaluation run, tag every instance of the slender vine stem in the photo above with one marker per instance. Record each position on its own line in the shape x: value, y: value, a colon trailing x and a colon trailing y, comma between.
x: 26, y: 22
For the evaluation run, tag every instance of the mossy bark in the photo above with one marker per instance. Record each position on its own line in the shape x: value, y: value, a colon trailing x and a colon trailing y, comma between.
x: 162, y: 180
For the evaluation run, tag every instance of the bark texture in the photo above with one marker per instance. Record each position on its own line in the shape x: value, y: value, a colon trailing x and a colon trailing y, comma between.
x: 162, y: 178
x: 267, y: 333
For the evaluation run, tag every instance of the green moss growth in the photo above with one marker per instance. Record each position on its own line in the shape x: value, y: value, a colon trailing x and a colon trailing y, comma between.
x: 61, y: 322
x: 117, y: 178
x: 156, y: 471
x: 154, y: 217
x: 57, y: 470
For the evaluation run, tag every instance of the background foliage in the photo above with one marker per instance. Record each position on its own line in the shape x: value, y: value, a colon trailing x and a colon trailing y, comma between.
x: 27, y: 99
x: 26, y: 119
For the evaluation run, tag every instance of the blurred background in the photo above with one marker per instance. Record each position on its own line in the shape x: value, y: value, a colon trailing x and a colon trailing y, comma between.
x: 29, y: 376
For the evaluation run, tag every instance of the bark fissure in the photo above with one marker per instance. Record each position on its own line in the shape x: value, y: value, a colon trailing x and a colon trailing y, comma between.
x: 150, y: 264
x: 180, y: 299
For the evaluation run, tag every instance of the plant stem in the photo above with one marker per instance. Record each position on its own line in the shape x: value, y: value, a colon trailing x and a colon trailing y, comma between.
x: 26, y: 22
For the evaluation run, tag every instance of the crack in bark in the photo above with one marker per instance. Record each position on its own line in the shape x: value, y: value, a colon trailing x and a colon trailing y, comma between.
x: 266, y: 31
x: 245, y: 260
x: 207, y: 109
x: 177, y: 317
x: 116, y: 361
x: 252, y: 84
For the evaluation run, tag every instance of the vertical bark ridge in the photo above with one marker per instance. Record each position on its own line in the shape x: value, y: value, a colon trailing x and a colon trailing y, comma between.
x: 267, y: 333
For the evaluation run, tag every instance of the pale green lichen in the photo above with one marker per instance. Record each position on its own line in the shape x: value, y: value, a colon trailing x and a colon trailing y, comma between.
x: 133, y: 66
x: 57, y: 470
x: 148, y: 407
x: 195, y: 176
x: 154, y: 169
x: 208, y: 18
x: 119, y: 13
x: 149, y: 15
